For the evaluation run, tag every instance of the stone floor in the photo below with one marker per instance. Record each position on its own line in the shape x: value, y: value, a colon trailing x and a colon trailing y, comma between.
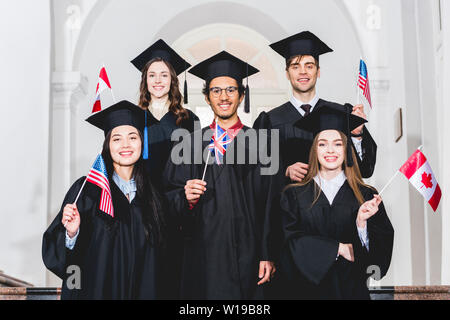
x: 383, y: 293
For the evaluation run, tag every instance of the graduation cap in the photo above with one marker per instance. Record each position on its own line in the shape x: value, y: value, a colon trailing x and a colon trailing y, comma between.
x: 332, y: 117
x: 162, y: 50
x: 225, y: 64
x: 119, y: 114
x: 303, y: 43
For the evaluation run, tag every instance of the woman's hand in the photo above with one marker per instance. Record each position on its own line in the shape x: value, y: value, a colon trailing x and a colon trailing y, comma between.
x: 193, y: 190
x: 71, y: 219
x: 346, y: 251
x: 367, y: 209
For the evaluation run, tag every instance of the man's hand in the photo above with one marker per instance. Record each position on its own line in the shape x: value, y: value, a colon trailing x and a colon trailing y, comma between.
x: 193, y: 190
x: 358, y: 110
x: 297, y: 171
x: 266, y: 271
x: 346, y: 251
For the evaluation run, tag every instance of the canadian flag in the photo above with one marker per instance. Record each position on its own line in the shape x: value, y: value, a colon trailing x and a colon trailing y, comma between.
x: 418, y: 171
x: 103, y: 83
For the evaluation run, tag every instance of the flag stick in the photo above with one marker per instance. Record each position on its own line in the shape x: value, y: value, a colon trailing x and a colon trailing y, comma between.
x: 209, y: 154
x: 206, y: 165
x: 112, y: 93
x: 387, y: 184
x: 79, y: 192
x: 358, y: 98
x: 78, y: 195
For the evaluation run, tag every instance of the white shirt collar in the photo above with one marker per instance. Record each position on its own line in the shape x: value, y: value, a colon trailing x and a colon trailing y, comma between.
x: 297, y: 103
x: 330, y: 187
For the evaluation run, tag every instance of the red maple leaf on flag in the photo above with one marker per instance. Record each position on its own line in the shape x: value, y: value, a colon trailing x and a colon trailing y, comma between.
x: 426, y: 180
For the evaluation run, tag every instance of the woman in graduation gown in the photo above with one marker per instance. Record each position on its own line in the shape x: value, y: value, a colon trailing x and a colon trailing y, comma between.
x: 161, y: 99
x: 114, y: 250
x: 334, y: 225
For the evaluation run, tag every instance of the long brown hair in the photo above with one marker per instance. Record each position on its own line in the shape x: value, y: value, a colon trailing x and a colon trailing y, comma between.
x: 175, y: 96
x: 152, y: 213
x: 353, y: 174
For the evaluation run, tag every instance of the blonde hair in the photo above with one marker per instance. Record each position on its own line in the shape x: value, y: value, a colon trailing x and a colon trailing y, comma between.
x: 353, y: 174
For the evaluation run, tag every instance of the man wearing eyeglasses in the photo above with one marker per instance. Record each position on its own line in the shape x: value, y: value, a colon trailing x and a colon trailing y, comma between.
x: 228, y: 255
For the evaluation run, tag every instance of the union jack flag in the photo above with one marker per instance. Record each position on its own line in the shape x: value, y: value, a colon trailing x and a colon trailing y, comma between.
x: 98, y: 176
x: 363, y: 81
x: 219, y: 142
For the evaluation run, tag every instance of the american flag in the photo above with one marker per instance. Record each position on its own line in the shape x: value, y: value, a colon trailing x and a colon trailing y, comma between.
x: 363, y: 81
x: 219, y: 142
x: 98, y: 176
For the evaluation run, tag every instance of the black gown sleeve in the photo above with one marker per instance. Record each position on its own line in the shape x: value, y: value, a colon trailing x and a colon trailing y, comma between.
x: 313, y: 256
x: 262, y: 122
x: 174, y: 180
x: 55, y: 255
x: 369, y: 155
x: 266, y: 193
x: 381, y: 240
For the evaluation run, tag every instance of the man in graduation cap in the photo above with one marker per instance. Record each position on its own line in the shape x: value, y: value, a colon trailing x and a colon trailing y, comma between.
x: 228, y: 255
x: 302, y: 52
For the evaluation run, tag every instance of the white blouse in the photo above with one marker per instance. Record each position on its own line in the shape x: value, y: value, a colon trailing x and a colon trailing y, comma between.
x: 330, y: 188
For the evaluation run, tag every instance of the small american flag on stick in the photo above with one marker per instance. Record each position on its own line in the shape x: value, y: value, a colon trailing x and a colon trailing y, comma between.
x: 98, y: 176
x: 363, y: 81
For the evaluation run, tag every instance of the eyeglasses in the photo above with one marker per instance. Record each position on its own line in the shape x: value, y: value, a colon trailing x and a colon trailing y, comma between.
x: 230, y: 91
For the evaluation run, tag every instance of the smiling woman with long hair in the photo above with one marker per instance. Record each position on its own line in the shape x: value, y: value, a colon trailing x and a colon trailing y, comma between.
x: 160, y: 97
x: 335, y: 226
x: 116, y: 250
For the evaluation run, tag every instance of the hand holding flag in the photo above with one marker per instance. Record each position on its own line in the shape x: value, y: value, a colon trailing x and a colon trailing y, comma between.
x: 98, y: 176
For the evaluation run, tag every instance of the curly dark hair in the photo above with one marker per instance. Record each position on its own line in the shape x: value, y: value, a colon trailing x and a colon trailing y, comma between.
x: 175, y: 96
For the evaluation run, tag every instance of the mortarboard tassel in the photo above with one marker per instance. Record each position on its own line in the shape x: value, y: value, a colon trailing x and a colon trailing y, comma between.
x: 185, y: 91
x: 247, y: 96
x: 145, y: 152
x: 247, y: 99
x: 348, y: 110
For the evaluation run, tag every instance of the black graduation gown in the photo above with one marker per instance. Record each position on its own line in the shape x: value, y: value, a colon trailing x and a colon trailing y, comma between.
x: 295, y: 143
x: 160, y: 145
x: 115, y: 258
x: 312, y: 236
x: 229, y: 227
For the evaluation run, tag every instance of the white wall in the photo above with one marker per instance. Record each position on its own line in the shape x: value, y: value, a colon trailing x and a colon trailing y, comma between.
x: 25, y: 54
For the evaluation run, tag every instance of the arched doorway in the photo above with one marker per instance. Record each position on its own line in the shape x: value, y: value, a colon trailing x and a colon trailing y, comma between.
x: 268, y: 87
